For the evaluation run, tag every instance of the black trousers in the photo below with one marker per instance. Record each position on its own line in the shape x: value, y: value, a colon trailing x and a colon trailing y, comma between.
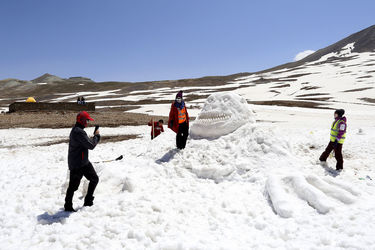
x: 338, y: 154
x: 182, y: 135
x: 75, y: 179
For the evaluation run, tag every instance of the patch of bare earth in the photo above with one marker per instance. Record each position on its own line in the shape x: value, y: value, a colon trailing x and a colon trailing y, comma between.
x: 275, y: 91
x: 67, y: 119
x: 364, y: 77
x: 370, y: 100
x: 298, y: 75
x: 357, y: 90
x: 313, y: 94
x: 310, y: 88
x: 288, y: 103
x: 272, y: 80
x: 281, y: 86
x: 103, y: 139
x: 315, y: 99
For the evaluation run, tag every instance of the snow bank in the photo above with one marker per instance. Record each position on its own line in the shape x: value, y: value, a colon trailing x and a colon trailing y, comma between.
x: 230, y: 156
x: 255, y: 188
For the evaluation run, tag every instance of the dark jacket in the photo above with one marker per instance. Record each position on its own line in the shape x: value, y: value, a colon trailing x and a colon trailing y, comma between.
x: 173, y: 118
x: 79, y: 145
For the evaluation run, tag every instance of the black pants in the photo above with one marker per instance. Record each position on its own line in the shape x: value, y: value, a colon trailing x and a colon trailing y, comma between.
x: 182, y: 135
x: 75, y: 179
x: 338, y: 154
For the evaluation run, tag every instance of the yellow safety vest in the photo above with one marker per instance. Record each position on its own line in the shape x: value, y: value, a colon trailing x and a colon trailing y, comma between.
x: 182, y: 115
x: 335, y: 131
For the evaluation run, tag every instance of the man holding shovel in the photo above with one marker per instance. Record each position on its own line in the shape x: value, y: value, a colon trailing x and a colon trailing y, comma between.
x: 78, y: 161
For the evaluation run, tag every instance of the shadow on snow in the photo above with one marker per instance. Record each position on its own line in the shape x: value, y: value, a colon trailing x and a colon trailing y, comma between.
x: 329, y: 171
x: 167, y: 156
x: 48, y: 219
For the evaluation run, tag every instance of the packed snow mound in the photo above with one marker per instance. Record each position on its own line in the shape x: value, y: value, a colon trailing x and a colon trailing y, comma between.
x: 233, y: 157
x: 221, y: 114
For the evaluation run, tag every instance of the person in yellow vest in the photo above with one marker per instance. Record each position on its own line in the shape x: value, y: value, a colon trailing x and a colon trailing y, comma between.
x: 338, y: 134
x: 179, y: 120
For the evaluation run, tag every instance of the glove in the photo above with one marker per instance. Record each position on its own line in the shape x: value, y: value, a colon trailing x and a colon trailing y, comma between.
x: 335, y: 143
x: 98, y: 137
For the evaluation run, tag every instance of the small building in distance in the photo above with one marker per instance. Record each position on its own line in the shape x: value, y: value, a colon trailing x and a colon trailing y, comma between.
x: 46, y: 106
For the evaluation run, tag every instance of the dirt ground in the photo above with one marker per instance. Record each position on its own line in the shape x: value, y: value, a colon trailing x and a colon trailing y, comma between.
x: 111, y: 117
x: 67, y: 119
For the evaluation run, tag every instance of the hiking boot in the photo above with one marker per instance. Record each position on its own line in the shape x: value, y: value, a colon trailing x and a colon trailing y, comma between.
x: 89, y: 201
x: 69, y: 208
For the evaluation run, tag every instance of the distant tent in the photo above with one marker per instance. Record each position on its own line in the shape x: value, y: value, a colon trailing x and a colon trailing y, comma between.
x: 30, y: 99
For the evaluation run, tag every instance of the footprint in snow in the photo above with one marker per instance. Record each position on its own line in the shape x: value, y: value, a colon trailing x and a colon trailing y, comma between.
x: 323, y: 194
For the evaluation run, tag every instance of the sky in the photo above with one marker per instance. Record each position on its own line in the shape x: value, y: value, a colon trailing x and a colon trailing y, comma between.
x: 124, y: 40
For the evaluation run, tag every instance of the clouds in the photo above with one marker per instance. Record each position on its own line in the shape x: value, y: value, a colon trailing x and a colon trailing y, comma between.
x: 303, y: 54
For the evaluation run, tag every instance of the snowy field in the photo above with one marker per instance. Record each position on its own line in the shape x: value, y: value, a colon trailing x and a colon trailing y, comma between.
x: 259, y: 187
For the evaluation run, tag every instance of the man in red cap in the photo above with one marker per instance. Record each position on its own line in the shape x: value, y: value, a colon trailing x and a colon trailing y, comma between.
x: 78, y: 161
x: 179, y: 120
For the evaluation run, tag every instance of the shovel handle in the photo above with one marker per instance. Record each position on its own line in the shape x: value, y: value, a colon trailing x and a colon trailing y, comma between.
x: 96, y: 128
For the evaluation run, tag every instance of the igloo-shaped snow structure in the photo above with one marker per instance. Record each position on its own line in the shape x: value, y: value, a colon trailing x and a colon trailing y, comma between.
x: 221, y: 114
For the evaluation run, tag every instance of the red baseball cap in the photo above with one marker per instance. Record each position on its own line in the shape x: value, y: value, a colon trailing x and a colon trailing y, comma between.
x: 82, y: 118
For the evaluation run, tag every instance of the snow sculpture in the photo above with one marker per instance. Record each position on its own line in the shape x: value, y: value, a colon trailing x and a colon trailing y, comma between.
x: 222, y: 114
x: 322, y: 194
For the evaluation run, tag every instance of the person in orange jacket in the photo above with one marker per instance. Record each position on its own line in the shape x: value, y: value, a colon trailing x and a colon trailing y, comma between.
x: 179, y: 120
x: 157, y: 128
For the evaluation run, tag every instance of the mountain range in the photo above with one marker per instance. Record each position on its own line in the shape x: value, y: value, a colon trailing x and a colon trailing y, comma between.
x: 341, y: 74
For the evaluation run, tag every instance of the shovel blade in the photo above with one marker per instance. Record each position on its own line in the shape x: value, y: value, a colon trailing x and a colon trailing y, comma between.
x: 119, y: 158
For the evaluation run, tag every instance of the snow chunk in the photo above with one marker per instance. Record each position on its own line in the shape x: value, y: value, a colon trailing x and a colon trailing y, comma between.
x: 279, y: 197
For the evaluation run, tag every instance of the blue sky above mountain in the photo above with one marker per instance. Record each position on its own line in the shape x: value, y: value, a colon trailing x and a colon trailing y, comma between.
x: 154, y: 40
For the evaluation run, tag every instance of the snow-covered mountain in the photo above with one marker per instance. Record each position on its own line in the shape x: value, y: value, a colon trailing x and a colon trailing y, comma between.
x: 344, y: 77
x: 341, y: 74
